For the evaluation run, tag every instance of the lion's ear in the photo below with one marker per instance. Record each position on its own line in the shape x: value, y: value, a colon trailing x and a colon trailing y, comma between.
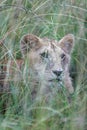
x: 67, y: 43
x: 29, y: 42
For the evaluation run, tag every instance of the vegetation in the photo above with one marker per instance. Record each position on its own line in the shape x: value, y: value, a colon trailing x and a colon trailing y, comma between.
x: 53, y: 19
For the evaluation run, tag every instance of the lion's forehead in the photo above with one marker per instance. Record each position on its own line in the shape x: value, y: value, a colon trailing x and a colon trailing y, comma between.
x: 51, y: 48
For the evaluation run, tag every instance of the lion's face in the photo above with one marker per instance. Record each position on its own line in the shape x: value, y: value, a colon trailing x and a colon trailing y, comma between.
x: 48, y: 59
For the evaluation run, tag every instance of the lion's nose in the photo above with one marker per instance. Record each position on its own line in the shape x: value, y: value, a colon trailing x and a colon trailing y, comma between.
x: 57, y: 72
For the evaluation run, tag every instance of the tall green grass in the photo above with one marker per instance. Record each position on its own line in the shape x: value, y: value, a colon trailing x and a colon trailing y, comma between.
x: 53, y: 19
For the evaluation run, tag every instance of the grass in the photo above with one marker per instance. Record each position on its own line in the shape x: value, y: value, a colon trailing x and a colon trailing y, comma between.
x: 54, y: 19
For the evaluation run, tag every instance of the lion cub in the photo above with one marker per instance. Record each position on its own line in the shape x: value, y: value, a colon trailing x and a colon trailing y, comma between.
x: 47, y: 62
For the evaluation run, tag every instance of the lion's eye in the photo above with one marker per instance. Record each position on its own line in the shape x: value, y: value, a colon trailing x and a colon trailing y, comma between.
x: 63, y: 56
x: 44, y: 54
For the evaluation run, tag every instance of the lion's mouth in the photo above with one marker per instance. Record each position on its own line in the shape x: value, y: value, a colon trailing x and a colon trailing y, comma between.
x: 58, y: 79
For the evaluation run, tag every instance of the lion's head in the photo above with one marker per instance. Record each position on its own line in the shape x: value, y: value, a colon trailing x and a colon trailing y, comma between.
x: 48, y: 59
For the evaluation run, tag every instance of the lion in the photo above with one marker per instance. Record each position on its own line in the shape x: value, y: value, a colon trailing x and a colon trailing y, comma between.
x: 47, y: 62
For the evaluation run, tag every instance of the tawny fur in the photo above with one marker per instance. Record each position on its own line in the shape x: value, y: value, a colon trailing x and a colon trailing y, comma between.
x: 46, y: 58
